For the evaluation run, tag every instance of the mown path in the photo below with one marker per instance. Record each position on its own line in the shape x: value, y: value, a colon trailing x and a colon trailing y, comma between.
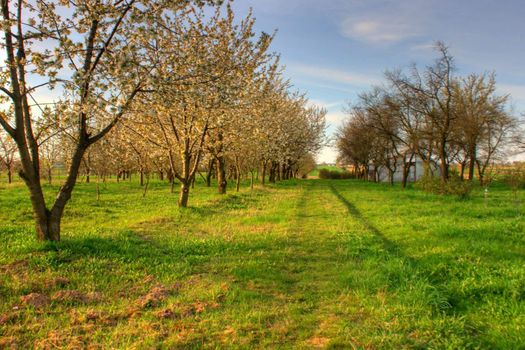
x: 334, y: 264
x: 333, y: 254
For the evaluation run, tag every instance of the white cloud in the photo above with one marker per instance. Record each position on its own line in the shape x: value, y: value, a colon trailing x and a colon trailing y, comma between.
x: 335, y: 118
x: 424, y: 48
x: 377, y: 30
x: 327, y: 105
x: 332, y: 75
x: 380, y: 22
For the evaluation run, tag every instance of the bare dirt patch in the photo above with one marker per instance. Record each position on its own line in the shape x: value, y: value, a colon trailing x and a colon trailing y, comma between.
x: 15, y: 266
x: 95, y: 317
x: 181, y: 311
x: 59, y: 340
x: 75, y: 296
x: 35, y: 300
x: 8, y: 318
x: 154, y: 297
x: 8, y: 343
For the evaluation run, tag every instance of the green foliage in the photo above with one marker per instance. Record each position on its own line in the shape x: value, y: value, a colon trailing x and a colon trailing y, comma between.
x: 335, y: 174
x: 454, y: 186
x: 301, y: 264
x: 515, y: 178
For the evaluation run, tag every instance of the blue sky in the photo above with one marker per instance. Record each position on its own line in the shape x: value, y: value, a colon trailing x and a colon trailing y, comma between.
x: 334, y: 49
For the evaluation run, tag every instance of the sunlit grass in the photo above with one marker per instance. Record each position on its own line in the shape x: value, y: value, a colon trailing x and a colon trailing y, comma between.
x: 303, y: 264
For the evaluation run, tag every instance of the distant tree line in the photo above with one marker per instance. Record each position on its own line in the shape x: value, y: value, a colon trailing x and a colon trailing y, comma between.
x: 432, y: 115
x: 173, y: 89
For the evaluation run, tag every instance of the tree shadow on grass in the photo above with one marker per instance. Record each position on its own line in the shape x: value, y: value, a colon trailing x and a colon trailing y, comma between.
x: 124, y: 246
x: 405, y: 272
x: 441, y: 274
x: 389, y: 246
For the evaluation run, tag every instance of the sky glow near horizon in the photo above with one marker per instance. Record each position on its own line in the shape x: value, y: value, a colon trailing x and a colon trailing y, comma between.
x: 335, y: 49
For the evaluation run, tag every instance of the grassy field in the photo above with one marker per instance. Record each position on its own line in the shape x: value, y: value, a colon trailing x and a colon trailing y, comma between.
x: 302, y: 264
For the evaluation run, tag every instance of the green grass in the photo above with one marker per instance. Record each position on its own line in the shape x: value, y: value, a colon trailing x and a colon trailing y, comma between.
x: 302, y: 264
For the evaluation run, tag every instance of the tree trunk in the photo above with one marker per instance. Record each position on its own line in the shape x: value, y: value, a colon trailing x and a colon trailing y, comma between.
x: 406, y: 171
x: 184, y: 193
x: 42, y: 215
x: 211, y: 166
x: 48, y: 221
x: 472, y: 164
x: 443, y: 162
x: 481, y: 174
x: 141, y: 177
x: 238, y: 180
x: 40, y: 211
x: 252, y: 180
x: 9, y: 175
x: 273, y: 171
x: 263, y: 174
x: 146, y: 187
x: 221, y: 175
x: 48, y: 227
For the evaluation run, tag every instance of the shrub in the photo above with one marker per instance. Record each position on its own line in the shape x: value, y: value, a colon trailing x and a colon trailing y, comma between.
x: 430, y: 184
x: 335, y: 174
x: 345, y: 175
x: 457, y: 187
x: 454, y: 186
x: 515, y: 179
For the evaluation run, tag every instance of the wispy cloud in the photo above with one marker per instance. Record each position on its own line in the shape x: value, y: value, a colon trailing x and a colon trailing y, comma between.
x: 429, y: 47
x: 386, y: 21
x: 377, y: 30
x: 325, y: 104
x: 335, y: 118
x: 332, y: 75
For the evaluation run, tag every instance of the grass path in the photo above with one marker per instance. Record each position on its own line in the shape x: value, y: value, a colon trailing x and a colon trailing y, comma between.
x: 300, y: 265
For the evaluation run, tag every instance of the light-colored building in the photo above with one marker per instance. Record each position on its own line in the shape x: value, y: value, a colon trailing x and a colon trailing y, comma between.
x: 417, y: 170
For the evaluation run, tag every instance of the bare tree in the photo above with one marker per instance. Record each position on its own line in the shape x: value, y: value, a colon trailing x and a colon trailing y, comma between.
x: 482, y: 120
x: 432, y: 114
